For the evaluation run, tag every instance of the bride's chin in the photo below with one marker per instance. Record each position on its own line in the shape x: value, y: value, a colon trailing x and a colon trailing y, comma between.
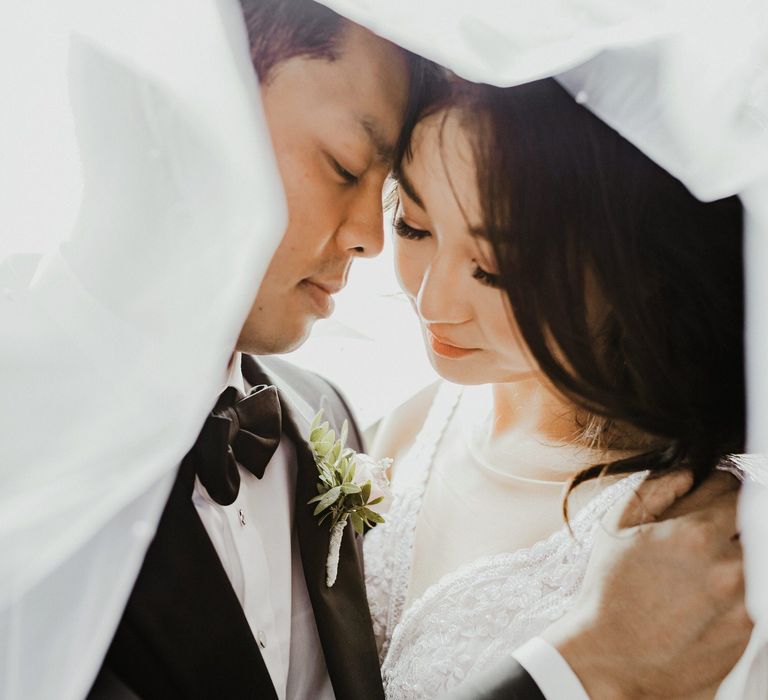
x: 471, y: 372
x: 457, y: 371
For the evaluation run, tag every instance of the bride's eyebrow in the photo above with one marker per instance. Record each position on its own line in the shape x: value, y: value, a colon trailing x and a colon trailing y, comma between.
x: 410, y: 190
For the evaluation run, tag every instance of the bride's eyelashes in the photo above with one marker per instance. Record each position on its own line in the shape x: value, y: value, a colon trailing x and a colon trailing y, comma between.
x: 487, y: 278
x: 405, y: 231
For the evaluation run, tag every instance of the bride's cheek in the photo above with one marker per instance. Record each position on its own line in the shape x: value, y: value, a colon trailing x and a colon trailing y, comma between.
x: 408, y: 268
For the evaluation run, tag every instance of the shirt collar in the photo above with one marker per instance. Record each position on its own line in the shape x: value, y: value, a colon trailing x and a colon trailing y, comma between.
x: 235, y: 374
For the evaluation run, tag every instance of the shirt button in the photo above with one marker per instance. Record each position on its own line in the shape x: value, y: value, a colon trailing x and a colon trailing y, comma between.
x: 261, y: 638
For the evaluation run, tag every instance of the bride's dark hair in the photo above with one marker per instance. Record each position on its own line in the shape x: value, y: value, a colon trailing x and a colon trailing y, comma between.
x: 626, y: 289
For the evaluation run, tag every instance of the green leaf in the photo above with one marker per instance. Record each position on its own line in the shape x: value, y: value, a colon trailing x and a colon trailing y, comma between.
x: 336, y: 518
x: 327, y: 515
x: 326, y: 476
x: 316, y: 499
x: 316, y: 434
x: 375, y: 501
x: 357, y: 523
x: 369, y: 514
x: 366, y: 491
x: 316, y: 420
x: 344, y: 432
x: 346, y: 465
x: 350, y: 488
x: 328, y: 499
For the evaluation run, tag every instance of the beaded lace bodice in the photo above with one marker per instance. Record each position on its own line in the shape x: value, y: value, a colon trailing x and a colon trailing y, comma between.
x: 480, y: 612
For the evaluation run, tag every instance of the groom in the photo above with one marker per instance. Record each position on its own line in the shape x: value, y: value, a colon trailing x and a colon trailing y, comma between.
x: 231, y: 601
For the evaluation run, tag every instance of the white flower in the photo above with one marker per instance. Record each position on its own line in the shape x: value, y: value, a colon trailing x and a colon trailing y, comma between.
x: 375, y: 471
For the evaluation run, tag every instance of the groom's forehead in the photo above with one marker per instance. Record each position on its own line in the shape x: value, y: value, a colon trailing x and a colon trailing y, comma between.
x: 376, y: 78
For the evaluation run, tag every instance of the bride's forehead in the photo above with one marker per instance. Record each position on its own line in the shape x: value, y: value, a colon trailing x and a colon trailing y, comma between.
x: 442, y: 163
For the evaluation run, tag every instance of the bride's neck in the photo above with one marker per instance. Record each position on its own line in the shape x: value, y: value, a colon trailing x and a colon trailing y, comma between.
x: 531, y: 406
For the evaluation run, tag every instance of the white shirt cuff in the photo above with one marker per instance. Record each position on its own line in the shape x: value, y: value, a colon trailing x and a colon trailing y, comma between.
x: 550, y: 671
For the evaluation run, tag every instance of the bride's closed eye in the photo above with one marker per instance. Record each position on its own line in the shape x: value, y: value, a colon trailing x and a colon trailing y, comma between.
x: 405, y: 231
x: 489, y: 279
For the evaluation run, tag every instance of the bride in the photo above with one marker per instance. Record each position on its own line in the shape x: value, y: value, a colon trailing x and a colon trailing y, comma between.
x: 585, y: 312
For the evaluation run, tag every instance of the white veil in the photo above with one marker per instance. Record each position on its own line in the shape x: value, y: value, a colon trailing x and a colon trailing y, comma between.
x: 687, y: 82
x: 115, y: 342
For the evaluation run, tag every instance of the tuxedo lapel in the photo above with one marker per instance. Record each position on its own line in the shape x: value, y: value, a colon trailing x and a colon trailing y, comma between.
x: 341, y: 612
x: 184, y: 634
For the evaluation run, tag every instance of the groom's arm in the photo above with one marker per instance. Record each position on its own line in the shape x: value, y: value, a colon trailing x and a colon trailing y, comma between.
x: 661, y: 613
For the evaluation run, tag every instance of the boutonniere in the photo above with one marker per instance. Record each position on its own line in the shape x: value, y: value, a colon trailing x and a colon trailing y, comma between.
x: 351, y: 484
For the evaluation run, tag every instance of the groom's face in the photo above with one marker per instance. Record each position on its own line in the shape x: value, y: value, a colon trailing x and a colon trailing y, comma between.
x: 334, y: 125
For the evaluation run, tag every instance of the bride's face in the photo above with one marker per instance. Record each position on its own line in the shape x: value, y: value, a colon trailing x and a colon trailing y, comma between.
x: 445, y: 265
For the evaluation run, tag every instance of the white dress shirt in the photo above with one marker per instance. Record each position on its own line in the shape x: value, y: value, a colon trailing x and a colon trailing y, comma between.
x: 258, y: 547
x: 550, y: 671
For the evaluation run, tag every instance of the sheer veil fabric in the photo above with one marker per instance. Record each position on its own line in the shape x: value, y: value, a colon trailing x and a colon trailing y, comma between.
x: 116, y: 340
x: 687, y: 82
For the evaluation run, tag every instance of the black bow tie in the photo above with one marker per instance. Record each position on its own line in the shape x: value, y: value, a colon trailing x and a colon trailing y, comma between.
x: 240, y: 429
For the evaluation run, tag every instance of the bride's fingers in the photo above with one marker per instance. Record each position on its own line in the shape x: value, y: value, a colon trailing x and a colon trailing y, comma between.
x: 652, y: 498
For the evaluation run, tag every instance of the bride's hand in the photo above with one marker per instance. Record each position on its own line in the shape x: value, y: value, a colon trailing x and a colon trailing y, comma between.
x: 661, y: 613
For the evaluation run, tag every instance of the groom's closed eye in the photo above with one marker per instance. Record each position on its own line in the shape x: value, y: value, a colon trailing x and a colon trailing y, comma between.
x: 369, y: 147
x: 346, y: 175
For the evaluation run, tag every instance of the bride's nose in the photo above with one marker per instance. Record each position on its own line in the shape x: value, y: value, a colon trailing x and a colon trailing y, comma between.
x: 442, y: 297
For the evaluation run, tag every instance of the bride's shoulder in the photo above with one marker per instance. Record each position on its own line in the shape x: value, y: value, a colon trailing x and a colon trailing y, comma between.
x: 398, y: 430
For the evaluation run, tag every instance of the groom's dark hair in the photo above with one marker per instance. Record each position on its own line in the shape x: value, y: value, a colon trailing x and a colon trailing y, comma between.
x: 283, y: 29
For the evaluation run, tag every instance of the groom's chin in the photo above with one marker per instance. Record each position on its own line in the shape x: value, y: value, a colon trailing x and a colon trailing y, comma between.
x: 259, y: 339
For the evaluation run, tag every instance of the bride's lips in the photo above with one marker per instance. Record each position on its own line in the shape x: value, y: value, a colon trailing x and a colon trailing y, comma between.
x: 320, y: 293
x: 440, y: 346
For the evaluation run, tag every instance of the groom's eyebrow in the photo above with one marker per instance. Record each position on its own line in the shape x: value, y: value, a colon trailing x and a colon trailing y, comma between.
x: 385, y: 151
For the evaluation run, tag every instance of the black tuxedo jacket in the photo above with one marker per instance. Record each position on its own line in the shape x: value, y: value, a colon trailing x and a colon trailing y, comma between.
x: 183, y: 633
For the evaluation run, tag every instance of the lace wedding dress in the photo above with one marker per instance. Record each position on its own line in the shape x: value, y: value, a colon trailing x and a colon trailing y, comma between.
x: 483, y: 610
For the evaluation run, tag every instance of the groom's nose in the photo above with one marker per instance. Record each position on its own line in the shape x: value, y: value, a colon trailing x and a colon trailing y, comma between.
x: 362, y: 232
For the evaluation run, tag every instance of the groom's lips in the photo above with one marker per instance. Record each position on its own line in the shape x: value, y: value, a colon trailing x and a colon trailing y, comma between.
x: 320, y: 295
